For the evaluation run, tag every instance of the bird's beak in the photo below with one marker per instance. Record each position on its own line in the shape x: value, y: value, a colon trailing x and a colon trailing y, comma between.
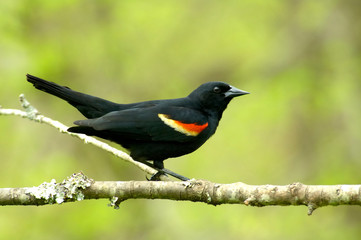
x: 235, y: 92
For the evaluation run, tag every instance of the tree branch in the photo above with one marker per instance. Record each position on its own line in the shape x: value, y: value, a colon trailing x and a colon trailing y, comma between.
x: 79, y: 187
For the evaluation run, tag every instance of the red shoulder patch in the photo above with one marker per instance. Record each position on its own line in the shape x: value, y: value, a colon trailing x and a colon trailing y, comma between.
x: 189, y: 129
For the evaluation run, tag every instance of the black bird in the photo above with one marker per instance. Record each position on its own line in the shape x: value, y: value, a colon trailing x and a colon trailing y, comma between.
x: 152, y: 130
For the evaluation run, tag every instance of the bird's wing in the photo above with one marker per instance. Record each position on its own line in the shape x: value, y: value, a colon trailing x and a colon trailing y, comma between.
x: 178, y: 124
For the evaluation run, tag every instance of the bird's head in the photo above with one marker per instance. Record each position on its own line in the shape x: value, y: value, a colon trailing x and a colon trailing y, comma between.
x: 215, y: 96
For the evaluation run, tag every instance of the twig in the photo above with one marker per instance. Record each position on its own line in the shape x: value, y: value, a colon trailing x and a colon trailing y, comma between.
x: 33, y: 114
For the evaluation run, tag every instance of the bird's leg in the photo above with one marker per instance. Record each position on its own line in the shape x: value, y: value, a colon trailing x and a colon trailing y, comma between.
x: 159, y: 166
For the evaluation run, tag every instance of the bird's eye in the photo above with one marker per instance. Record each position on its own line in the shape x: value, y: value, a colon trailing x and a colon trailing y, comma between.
x: 217, y: 90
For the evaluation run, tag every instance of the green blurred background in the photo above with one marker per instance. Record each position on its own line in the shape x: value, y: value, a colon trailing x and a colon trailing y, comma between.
x: 299, y: 59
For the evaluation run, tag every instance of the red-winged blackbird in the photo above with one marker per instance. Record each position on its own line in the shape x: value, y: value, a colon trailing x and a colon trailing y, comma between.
x: 152, y: 130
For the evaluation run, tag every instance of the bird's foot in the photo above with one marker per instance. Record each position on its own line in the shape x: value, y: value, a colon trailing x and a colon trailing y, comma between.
x: 173, y: 174
x: 163, y: 171
x: 156, y: 176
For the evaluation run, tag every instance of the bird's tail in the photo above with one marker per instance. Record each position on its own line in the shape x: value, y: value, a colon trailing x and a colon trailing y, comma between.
x: 89, y: 106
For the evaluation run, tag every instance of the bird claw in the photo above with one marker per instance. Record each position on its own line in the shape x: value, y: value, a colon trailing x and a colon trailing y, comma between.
x: 156, y: 176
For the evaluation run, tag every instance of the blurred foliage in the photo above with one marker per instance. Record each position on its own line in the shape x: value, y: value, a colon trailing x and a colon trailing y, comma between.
x: 299, y: 59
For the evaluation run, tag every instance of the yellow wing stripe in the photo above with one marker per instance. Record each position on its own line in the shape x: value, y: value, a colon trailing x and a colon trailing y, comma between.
x: 189, y: 129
